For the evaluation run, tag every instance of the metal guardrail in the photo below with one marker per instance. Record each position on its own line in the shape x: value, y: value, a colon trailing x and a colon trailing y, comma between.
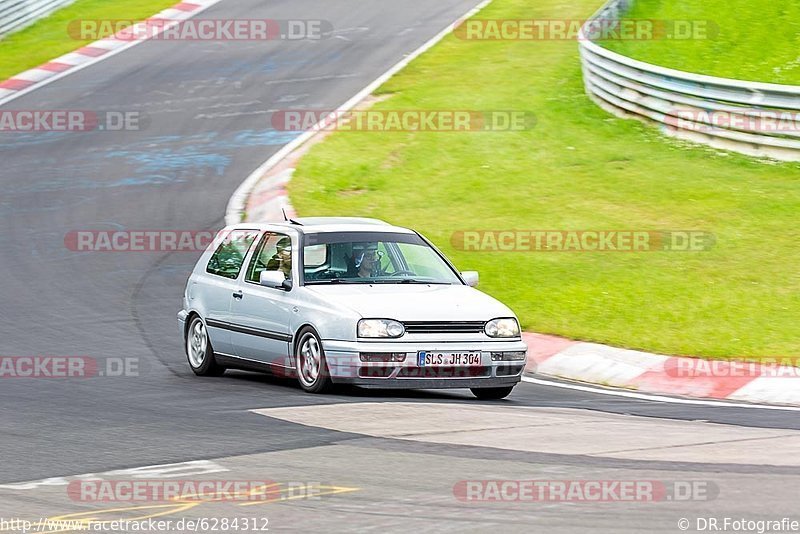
x: 16, y: 14
x: 758, y: 119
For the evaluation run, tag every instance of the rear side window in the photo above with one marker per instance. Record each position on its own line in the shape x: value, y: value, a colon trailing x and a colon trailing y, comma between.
x: 315, y: 256
x: 228, y: 259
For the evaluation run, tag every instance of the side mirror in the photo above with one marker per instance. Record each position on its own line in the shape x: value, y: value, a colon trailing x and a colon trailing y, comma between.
x: 275, y: 280
x: 470, y: 277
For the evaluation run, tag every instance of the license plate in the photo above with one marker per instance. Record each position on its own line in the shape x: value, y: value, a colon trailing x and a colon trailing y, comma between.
x: 448, y: 359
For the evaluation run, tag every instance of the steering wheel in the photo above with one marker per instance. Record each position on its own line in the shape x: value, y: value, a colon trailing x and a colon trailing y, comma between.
x: 400, y: 273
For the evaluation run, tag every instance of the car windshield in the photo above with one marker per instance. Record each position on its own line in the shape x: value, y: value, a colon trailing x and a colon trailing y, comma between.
x: 373, y: 257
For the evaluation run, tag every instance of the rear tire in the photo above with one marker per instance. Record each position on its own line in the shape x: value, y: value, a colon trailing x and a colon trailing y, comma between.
x: 312, y: 369
x: 199, y: 351
x: 492, y: 393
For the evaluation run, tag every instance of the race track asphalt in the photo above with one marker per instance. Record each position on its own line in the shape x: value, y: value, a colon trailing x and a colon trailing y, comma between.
x: 207, y: 108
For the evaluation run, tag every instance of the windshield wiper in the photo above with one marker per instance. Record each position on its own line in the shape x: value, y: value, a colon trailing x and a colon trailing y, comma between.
x: 374, y: 281
x: 409, y: 281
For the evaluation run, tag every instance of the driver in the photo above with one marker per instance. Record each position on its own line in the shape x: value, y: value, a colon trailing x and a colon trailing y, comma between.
x: 367, y: 260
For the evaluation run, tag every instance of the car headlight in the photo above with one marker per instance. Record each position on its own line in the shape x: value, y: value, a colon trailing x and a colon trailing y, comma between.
x: 503, y: 327
x: 380, y: 328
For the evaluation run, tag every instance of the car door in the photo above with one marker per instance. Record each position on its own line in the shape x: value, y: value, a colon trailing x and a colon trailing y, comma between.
x: 217, y: 285
x: 260, y: 315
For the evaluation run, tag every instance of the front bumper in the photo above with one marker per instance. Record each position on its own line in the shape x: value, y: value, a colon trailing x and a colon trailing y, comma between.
x: 182, y: 322
x: 345, y: 365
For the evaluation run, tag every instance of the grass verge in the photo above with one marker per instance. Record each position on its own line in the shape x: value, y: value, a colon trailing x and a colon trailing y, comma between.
x: 577, y: 169
x: 48, y: 38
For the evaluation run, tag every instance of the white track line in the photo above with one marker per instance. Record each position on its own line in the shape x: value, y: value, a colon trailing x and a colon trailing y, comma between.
x: 656, y: 398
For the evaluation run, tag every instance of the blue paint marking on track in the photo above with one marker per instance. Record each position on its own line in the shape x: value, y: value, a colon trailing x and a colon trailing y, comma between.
x: 155, y: 161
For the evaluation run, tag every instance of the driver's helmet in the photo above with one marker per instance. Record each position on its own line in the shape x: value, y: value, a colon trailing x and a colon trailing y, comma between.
x: 365, y: 250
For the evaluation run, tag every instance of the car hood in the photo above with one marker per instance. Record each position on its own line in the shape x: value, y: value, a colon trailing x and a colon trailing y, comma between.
x: 414, y: 302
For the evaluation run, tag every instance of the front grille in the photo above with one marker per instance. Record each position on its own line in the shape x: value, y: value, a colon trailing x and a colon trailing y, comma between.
x: 444, y: 372
x: 443, y: 327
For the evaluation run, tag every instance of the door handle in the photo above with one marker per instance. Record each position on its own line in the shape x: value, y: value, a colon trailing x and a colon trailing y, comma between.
x: 238, y: 295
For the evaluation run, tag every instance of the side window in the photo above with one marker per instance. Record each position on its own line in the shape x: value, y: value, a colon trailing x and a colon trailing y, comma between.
x: 274, y: 253
x: 227, y: 260
x: 315, y: 256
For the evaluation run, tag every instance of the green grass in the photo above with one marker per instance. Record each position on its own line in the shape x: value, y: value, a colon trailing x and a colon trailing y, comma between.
x: 48, y: 38
x: 579, y: 168
x: 756, y: 39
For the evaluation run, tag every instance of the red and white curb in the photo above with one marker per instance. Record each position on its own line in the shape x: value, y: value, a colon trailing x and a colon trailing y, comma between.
x: 269, y: 200
x: 665, y: 375
x: 97, y: 51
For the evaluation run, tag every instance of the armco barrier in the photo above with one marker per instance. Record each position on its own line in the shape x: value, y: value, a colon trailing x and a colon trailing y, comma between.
x: 758, y: 119
x: 16, y: 14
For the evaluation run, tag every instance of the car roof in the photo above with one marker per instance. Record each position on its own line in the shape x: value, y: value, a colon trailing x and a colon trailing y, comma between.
x: 310, y: 225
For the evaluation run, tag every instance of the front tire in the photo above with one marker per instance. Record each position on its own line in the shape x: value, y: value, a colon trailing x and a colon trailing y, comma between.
x: 312, y: 369
x: 199, y: 350
x: 492, y: 393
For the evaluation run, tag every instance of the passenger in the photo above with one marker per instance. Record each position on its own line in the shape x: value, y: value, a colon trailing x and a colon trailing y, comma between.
x: 282, y: 259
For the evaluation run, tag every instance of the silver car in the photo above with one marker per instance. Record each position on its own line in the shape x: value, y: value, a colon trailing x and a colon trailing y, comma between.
x: 346, y: 301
